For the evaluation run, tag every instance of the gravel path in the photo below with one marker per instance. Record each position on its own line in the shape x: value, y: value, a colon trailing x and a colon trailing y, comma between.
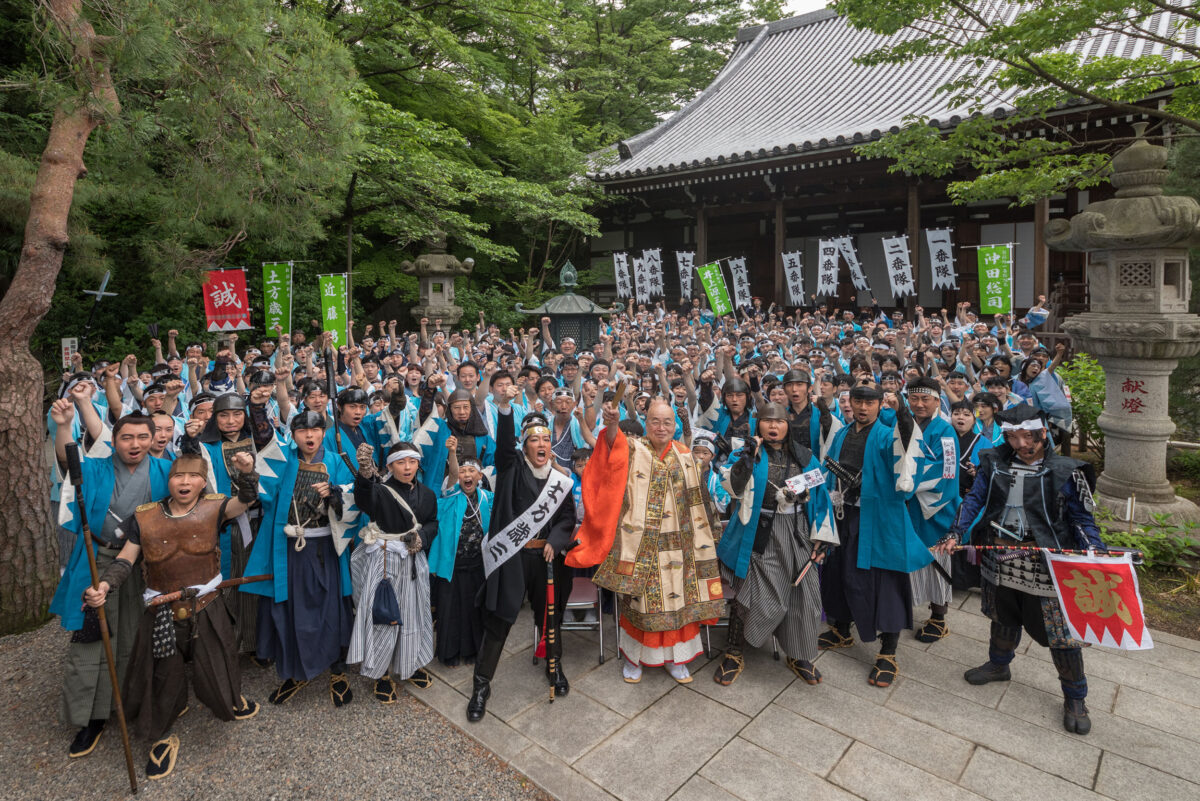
x: 304, y: 749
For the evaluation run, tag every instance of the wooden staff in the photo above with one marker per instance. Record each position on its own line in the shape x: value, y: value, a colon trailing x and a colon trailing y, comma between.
x: 170, y: 597
x: 76, y: 473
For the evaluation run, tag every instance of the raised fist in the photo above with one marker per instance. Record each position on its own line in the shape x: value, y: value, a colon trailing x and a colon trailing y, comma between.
x: 243, y: 462
x: 62, y: 412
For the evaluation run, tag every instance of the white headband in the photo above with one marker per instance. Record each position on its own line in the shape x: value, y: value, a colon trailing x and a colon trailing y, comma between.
x: 1032, y: 424
x: 404, y: 454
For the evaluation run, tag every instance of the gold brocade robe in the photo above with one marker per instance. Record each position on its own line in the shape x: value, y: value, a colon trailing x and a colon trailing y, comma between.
x: 664, y: 553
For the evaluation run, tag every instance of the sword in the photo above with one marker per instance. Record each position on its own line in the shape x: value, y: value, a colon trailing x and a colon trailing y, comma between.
x: 817, y: 552
x: 170, y: 597
x: 76, y: 473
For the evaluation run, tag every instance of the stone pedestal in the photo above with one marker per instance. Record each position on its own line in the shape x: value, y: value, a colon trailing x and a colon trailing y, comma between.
x: 1138, y: 326
x: 435, y: 272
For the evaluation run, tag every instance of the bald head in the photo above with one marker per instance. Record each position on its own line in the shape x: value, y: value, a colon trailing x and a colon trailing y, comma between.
x: 660, y: 423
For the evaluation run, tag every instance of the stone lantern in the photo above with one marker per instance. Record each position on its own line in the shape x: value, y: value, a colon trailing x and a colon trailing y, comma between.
x: 436, y: 270
x: 1138, y: 326
x: 571, y: 315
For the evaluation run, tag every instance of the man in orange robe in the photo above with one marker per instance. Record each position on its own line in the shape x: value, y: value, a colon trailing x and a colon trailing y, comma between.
x: 648, y: 526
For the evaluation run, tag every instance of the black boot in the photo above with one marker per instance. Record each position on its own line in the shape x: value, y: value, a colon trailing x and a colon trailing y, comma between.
x: 1002, y: 647
x: 477, y: 706
x: 490, y: 651
x: 988, y: 672
x: 1069, y: 662
x: 1075, y: 716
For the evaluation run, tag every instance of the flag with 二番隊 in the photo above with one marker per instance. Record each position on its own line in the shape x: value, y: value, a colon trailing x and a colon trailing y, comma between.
x: 1100, y: 599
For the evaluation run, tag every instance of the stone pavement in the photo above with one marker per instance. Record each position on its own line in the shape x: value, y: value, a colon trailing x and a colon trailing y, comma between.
x: 769, y: 735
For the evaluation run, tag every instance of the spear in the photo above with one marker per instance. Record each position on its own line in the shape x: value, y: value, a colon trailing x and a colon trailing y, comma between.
x: 76, y: 473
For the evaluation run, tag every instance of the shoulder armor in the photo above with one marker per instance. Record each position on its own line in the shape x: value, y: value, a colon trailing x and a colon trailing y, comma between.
x: 146, y: 507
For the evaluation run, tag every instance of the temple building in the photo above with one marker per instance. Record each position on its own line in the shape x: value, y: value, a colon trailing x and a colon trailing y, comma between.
x: 764, y: 161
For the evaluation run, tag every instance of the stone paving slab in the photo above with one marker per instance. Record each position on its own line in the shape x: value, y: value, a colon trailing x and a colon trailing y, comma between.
x: 875, y: 776
x: 1071, y: 757
x: 928, y: 736
x: 751, y: 772
x: 1140, y: 743
x: 654, y: 754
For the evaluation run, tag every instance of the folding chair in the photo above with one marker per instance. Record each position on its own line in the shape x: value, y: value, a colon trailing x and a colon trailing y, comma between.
x: 584, y: 595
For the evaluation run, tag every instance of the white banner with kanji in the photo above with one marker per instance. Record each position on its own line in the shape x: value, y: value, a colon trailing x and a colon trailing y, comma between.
x: 621, y: 273
x: 641, y: 280
x: 941, y: 258
x: 654, y: 272
x: 827, y: 268
x: 793, y: 273
x: 899, y: 265
x: 845, y: 246
x: 686, y: 261
x: 741, y: 282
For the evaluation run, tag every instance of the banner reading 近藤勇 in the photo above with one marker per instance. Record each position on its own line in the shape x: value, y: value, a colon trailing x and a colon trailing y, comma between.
x: 333, y: 306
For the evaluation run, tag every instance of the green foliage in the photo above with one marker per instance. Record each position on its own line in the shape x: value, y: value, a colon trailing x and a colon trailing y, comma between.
x: 342, y: 136
x: 1162, y: 543
x: 1084, y: 375
x: 497, y: 300
x: 1185, y: 464
x: 1034, y: 62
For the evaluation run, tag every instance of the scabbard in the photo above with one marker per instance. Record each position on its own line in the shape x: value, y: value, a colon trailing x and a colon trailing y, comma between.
x: 171, y: 597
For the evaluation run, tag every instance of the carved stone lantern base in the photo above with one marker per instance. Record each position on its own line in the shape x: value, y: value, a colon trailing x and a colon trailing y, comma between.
x: 1139, y: 326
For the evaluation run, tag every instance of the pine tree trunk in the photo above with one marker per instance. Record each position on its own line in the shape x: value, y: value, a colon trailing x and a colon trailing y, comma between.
x: 28, y: 545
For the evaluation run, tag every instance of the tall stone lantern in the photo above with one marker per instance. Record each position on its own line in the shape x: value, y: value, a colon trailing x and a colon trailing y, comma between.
x: 1138, y: 326
x: 436, y: 270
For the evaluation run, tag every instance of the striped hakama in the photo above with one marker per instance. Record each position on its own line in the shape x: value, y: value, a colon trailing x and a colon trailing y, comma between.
x: 397, y: 650
x: 928, y: 586
x: 767, y: 602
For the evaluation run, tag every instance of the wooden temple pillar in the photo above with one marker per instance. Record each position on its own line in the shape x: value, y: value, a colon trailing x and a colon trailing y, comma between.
x: 701, y: 237
x: 780, y: 233
x: 1041, y: 253
x: 913, y: 229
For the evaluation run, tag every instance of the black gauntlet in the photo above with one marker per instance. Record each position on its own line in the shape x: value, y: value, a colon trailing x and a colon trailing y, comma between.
x: 116, y: 573
x: 245, y: 486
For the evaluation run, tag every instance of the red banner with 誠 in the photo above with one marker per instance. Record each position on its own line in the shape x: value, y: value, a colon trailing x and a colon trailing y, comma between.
x: 1100, y: 599
x: 226, y: 302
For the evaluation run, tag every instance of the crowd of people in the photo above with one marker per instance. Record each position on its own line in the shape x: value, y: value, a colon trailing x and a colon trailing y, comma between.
x: 808, y: 475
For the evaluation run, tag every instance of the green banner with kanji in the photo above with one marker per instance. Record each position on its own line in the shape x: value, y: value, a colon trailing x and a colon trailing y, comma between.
x: 714, y: 286
x: 333, y: 307
x: 995, y: 279
x: 277, y: 295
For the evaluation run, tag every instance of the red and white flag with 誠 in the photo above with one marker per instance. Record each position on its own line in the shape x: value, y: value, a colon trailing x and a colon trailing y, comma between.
x: 1100, y: 599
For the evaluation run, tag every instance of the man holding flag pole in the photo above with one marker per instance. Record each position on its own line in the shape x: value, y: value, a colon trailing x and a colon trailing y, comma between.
x: 1030, y: 499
